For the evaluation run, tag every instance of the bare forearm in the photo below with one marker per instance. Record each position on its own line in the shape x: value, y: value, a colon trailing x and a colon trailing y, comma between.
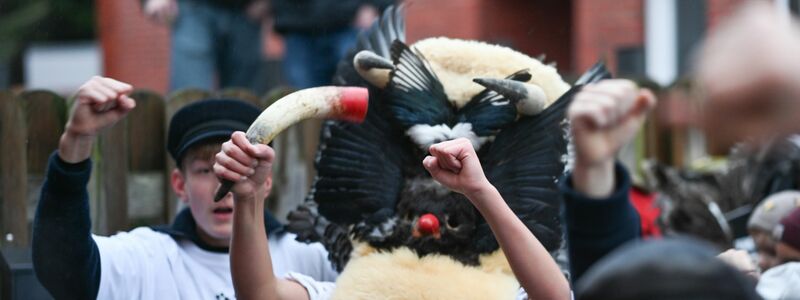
x: 533, y: 266
x: 251, y: 264
x: 594, y: 181
x: 75, y: 148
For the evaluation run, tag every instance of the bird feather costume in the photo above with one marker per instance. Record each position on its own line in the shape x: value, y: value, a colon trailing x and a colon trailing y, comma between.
x: 371, y: 188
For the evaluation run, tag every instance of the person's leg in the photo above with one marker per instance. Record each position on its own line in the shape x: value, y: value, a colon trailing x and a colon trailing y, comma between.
x: 344, y: 41
x: 192, y: 55
x: 331, y: 48
x: 298, y: 60
x: 240, y: 57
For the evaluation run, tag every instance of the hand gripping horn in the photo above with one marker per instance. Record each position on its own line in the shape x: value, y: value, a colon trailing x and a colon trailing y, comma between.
x: 327, y: 102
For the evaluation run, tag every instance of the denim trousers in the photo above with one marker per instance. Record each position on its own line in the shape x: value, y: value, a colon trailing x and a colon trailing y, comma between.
x: 214, y: 47
x: 311, y: 59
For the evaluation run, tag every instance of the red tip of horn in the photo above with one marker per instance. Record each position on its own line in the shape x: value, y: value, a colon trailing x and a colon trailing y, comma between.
x: 353, y: 104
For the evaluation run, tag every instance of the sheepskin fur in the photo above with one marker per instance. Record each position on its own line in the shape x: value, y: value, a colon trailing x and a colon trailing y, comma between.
x: 401, y: 274
x: 457, y: 62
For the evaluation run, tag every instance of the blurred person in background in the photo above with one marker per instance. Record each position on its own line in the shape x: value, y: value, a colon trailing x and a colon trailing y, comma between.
x: 763, y: 222
x: 783, y: 280
x: 215, y: 43
x: 318, y: 33
x: 606, y: 259
x: 748, y: 72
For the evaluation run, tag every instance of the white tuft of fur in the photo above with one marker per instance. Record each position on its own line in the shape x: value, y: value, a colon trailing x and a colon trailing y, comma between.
x: 457, y: 62
x: 535, y: 103
x: 401, y: 274
x: 426, y: 135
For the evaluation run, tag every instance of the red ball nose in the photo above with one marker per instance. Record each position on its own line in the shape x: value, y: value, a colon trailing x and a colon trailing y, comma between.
x: 428, y: 224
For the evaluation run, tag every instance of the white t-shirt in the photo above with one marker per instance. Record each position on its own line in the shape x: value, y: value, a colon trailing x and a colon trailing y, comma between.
x: 146, y: 264
x: 780, y: 282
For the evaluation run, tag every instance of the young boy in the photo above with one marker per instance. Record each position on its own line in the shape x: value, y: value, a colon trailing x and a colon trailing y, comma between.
x: 453, y: 163
x: 763, y: 221
x: 188, y: 260
x: 783, y: 280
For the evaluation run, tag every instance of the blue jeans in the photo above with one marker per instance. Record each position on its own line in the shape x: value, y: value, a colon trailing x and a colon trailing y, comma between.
x: 311, y: 60
x: 214, y: 47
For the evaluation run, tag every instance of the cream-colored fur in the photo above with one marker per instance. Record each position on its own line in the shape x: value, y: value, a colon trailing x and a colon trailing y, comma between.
x: 401, y: 274
x: 457, y: 62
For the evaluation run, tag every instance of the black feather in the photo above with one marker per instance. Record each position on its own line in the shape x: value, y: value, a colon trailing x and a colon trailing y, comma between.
x: 414, y: 94
x: 488, y: 111
x: 378, y: 38
x: 596, y: 73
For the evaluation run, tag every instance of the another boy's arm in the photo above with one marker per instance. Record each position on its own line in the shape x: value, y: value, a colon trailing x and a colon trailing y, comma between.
x: 603, y: 116
x: 65, y: 256
x: 455, y: 165
x: 249, y: 166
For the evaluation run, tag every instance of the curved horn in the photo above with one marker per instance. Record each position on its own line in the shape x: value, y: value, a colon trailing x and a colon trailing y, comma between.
x: 327, y: 102
x: 373, y: 68
x: 529, y: 98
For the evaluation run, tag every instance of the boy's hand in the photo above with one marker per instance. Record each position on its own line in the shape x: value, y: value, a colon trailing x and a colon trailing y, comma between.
x: 99, y: 103
x: 248, y: 166
x: 604, y: 116
x: 455, y: 165
x: 161, y: 11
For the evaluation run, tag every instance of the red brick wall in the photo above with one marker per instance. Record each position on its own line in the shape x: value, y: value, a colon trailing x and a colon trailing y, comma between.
x: 600, y: 27
x: 574, y: 33
x: 451, y: 18
x: 531, y: 27
x: 135, y: 50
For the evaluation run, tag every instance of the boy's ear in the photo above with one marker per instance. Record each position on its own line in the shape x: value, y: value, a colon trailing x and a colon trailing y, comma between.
x: 178, y: 183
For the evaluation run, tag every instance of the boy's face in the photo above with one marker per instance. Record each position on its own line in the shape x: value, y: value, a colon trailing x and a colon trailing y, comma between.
x: 195, y: 185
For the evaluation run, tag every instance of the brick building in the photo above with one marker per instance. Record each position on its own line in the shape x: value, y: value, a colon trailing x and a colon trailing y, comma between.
x: 573, y: 33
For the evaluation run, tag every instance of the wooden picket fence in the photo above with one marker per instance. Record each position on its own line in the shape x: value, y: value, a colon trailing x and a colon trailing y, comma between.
x: 130, y: 180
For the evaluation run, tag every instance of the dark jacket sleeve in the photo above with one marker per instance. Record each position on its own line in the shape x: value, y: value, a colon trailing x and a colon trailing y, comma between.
x: 65, y: 257
x: 318, y: 16
x: 595, y: 227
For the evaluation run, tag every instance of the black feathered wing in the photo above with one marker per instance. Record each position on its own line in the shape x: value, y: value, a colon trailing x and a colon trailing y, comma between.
x: 414, y: 94
x: 524, y: 162
x: 359, y: 166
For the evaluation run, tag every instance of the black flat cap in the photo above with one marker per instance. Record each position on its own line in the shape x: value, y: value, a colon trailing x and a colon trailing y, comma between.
x: 207, y: 120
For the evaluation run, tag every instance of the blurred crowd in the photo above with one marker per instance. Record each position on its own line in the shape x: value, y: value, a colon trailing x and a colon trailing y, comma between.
x: 217, y: 43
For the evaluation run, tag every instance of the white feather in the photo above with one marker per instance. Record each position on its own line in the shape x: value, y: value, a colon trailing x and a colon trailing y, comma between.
x: 426, y: 135
x: 569, y: 157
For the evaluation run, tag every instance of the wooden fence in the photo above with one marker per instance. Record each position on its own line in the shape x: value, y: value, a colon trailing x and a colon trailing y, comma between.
x: 130, y: 180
